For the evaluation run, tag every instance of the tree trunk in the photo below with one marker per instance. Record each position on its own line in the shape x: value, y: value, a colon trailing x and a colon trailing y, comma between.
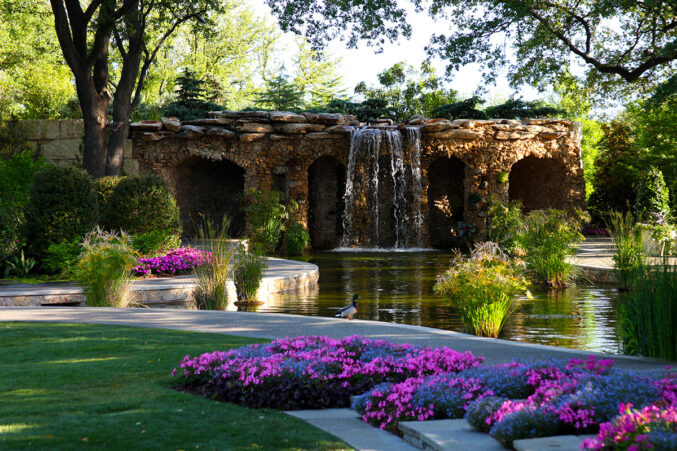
x: 94, y: 106
x: 116, y: 143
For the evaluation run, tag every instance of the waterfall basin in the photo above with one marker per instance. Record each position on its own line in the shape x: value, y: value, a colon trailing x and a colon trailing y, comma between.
x: 397, y: 286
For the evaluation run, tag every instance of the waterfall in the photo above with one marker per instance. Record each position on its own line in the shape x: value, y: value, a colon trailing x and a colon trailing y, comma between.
x: 413, y: 137
x: 367, y: 195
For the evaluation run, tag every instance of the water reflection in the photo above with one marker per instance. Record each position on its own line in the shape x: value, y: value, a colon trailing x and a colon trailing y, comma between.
x: 397, y: 287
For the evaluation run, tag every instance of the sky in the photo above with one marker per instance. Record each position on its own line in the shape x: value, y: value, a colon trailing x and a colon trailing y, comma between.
x: 363, y: 64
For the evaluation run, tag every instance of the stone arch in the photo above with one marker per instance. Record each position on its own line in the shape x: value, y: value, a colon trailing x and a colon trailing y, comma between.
x: 326, y: 187
x: 446, y: 199
x: 538, y: 183
x: 208, y: 189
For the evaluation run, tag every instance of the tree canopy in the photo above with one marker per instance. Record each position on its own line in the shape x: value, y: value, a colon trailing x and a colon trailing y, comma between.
x: 619, y: 42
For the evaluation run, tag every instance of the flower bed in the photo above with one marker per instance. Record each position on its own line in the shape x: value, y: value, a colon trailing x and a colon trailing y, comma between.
x: 175, y: 262
x: 518, y: 400
x: 312, y: 372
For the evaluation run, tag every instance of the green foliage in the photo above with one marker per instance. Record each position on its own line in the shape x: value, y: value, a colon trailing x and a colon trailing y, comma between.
x: 34, y: 81
x: 191, y: 98
x: 104, y: 268
x: 248, y: 274
x: 20, y: 266
x: 547, y: 239
x: 62, y: 207
x: 16, y: 178
x: 464, y: 109
x: 281, y: 95
x: 482, y: 288
x: 502, y: 177
x: 61, y: 258
x: 210, y: 290
x: 296, y: 238
x: 505, y: 225
x: 653, y: 202
x: 649, y: 312
x: 155, y: 242
x: 629, y: 251
x: 408, y: 92
x: 138, y: 205
x: 520, y: 109
x: 617, y: 174
x: 266, y: 214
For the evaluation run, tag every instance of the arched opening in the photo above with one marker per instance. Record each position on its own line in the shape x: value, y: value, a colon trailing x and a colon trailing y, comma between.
x: 326, y: 186
x: 208, y: 190
x: 445, y: 201
x: 538, y: 183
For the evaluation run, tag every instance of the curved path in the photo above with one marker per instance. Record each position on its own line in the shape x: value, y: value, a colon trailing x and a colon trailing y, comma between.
x: 270, y: 325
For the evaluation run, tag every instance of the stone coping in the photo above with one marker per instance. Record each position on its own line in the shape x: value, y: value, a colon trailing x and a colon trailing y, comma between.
x: 280, y: 276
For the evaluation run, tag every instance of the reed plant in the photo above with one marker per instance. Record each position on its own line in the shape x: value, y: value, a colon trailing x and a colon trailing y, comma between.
x: 649, y: 311
x: 249, y: 271
x: 104, y: 268
x: 211, y: 292
x: 629, y: 249
x: 482, y: 288
x: 547, y: 238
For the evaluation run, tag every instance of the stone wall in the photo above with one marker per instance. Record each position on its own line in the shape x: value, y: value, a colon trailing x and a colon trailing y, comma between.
x: 59, y: 141
x: 463, y: 164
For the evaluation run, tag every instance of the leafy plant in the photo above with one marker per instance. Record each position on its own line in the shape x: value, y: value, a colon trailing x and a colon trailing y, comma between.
x: 62, y: 207
x: 547, y: 238
x: 248, y: 274
x: 61, y: 258
x: 482, y: 288
x: 210, y: 290
x: 502, y: 177
x: 191, y: 98
x: 155, y: 242
x: 266, y: 214
x: 629, y: 250
x: 138, y: 205
x: 20, y: 266
x: 505, y: 225
x: 174, y: 262
x: 103, y: 269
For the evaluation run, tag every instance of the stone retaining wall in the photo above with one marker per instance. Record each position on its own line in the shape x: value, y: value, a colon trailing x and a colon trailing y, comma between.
x: 59, y: 141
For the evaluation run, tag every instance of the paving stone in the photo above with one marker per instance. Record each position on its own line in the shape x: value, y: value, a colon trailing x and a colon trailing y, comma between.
x: 559, y: 443
x: 445, y: 435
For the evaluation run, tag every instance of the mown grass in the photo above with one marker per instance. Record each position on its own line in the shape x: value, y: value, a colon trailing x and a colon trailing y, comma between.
x: 73, y: 386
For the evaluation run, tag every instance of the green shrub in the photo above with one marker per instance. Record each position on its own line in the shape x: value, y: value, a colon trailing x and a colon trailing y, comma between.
x: 16, y: 178
x: 629, y: 249
x: 210, y: 290
x: 62, y: 207
x: 138, y: 205
x: 649, y: 312
x: 20, y: 266
x: 504, y: 225
x: 249, y: 272
x: 266, y: 215
x: 297, y: 239
x: 61, y: 258
x: 482, y: 288
x: 547, y: 239
x: 653, y: 201
x: 155, y: 242
x: 104, y: 268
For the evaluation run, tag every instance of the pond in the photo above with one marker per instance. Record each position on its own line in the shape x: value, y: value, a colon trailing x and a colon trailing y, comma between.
x: 397, y: 287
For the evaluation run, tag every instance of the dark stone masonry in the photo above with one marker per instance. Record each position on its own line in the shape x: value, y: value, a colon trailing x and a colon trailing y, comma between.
x: 435, y: 186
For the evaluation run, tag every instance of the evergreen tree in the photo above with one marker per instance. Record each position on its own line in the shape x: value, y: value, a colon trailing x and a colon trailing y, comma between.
x: 280, y: 95
x: 653, y: 202
x: 191, y: 98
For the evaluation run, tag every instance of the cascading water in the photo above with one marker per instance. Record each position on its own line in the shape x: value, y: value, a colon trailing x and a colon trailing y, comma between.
x: 367, y: 197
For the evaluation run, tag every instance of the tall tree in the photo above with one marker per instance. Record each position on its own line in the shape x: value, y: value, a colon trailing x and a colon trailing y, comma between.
x: 137, y: 29
x: 618, y: 41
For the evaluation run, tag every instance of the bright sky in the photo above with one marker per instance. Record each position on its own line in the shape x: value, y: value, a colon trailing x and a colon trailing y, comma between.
x: 363, y: 64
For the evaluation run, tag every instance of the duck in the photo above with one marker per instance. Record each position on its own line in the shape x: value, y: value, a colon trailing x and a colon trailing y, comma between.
x: 348, y: 310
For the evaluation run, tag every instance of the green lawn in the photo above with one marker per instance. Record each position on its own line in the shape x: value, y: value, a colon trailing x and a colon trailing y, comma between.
x: 66, y: 386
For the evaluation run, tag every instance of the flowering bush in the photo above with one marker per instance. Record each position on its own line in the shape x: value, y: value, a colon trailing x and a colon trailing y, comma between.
x: 649, y: 428
x: 312, y: 372
x: 175, y: 262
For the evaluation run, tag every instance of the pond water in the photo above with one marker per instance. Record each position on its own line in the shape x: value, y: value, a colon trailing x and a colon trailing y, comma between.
x: 397, y: 287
